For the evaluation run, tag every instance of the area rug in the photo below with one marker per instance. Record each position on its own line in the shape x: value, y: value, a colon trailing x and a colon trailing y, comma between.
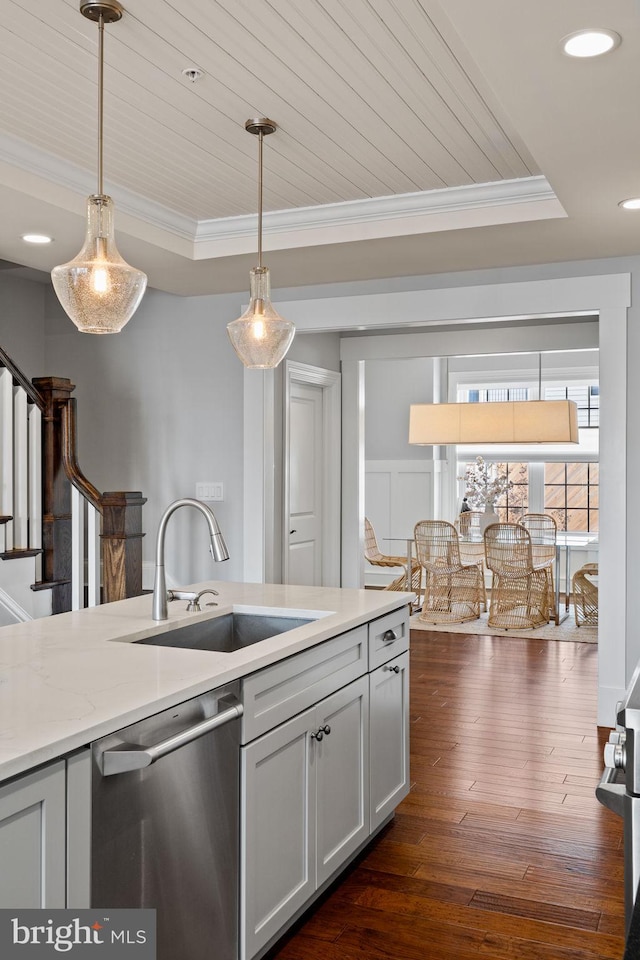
x: 564, y: 631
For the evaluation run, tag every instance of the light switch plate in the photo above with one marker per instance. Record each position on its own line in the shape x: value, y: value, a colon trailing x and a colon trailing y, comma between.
x: 209, y: 490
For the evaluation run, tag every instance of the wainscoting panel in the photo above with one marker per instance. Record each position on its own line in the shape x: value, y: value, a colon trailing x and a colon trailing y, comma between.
x: 398, y: 493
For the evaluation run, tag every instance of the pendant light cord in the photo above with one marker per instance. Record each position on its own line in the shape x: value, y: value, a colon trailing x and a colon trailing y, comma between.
x: 100, y: 98
x: 260, y: 139
x: 540, y: 375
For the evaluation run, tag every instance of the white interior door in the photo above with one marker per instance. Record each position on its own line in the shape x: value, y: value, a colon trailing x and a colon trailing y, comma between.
x: 312, y: 466
x: 303, y: 509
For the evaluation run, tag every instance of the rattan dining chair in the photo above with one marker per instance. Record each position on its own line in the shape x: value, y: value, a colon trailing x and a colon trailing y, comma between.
x: 377, y: 559
x: 468, y: 523
x: 544, y: 534
x: 585, y: 595
x: 453, y: 591
x: 519, y: 590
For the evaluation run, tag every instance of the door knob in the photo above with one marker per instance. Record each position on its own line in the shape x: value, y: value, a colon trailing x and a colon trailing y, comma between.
x: 293, y: 531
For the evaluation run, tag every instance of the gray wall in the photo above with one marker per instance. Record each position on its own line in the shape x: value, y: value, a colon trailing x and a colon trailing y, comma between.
x: 160, y: 408
x: 22, y: 323
x: 390, y: 387
x: 318, y: 349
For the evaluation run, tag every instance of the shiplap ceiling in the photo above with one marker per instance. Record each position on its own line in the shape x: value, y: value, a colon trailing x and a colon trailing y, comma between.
x: 415, y: 136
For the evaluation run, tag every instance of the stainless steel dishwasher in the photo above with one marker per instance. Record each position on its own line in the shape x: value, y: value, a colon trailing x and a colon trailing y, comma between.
x: 165, y: 813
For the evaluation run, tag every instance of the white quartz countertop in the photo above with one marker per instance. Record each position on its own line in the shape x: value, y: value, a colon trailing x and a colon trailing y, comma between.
x: 65, y: 682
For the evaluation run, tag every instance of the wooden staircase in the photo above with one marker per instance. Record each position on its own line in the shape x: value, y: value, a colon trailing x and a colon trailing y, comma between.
x: 87, y: 545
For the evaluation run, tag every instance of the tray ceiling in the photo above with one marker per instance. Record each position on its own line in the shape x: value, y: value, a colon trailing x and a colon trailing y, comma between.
x: 401, y: 123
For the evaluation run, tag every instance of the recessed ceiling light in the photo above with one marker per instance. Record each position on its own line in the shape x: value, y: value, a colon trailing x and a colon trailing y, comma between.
x: 590, y: 43
x: 36, y: 238
x: 633, y: 203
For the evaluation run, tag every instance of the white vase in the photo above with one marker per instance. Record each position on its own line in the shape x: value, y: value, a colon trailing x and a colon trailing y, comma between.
x: 488, y: 517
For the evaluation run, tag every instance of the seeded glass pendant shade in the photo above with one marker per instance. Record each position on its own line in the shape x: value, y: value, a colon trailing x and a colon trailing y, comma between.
x: 260, y: 337
x: 98, y: 290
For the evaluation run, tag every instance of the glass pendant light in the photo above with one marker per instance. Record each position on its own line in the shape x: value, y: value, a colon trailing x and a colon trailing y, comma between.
x: 260, y: 337
x: 99, y: 291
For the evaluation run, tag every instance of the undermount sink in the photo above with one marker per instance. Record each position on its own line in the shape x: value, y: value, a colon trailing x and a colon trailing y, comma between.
x: 226, y: 633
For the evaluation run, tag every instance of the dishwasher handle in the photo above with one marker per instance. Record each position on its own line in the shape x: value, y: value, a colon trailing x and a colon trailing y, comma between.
x: 124, y: 760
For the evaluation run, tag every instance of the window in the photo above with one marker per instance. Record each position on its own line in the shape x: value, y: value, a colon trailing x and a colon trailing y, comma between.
x: 516, y: 501
x: 586, y: 397
x: 571, y: 495
x: 566, y: 491
x: 493, y: 394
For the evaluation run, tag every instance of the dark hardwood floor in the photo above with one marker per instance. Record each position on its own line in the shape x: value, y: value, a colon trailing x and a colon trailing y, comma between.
x: 501, y: 849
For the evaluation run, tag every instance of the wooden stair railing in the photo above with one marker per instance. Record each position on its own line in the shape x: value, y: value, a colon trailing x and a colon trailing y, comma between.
x: 121, y: 513
x: 45, y: 499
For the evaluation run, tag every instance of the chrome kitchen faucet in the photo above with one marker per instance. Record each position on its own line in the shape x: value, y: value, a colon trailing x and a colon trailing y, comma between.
x: 218, y: 550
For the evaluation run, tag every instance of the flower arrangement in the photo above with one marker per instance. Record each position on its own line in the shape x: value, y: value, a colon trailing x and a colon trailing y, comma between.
x: 485, y: 484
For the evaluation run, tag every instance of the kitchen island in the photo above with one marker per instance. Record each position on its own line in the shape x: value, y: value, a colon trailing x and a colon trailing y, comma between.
x: 63, y: 682
x: 69, y: 680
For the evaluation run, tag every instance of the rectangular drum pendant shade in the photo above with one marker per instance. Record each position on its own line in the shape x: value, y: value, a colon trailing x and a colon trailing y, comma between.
x: 522, y: 421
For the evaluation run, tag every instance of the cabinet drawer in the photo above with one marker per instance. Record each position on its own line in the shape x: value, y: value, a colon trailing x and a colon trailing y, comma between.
x: 388, y: 637
x: 277, y: 693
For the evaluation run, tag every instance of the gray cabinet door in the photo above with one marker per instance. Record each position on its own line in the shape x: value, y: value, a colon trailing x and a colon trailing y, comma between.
x: 389, y: 731
x: 32, y: 839
x: 278, y: 870
x: 342, y: 775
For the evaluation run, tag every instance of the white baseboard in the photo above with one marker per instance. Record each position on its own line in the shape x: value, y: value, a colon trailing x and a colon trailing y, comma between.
x: 380, y: 578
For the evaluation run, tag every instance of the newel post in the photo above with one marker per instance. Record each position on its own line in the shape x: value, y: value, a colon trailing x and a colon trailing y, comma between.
x: 56, y: 493
x: 122, y: 544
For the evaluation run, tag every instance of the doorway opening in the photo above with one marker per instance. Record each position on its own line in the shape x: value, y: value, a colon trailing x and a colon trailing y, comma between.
x: 502, y: 297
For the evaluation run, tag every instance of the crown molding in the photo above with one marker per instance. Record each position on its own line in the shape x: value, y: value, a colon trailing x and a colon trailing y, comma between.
x: 448, y: 200
x: 472, y: 205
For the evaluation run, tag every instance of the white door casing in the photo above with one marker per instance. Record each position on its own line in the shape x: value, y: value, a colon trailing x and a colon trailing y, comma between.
x: 311, y: 553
